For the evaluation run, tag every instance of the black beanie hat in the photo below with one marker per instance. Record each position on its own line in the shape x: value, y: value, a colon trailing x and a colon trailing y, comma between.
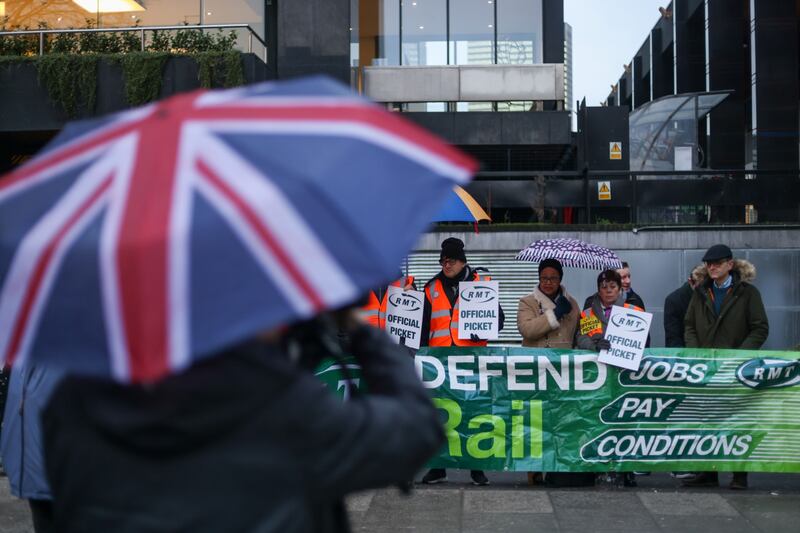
x: 552, y: 263
x: 453, y: 248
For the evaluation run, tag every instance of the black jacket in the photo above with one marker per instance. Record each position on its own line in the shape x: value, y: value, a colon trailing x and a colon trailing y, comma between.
x: 466, y: 275
x: 675, y: 306
x: 246, y: 441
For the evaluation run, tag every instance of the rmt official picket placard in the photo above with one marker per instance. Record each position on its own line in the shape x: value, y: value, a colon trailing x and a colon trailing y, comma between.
x: 478, y: 309
x: 404, y: 315
x: 627, y: 332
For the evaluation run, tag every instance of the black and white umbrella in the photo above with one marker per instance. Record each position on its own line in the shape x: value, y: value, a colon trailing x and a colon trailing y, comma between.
x: 571, y: 253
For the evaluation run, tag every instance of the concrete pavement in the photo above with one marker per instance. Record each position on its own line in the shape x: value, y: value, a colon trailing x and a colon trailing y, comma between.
x: 509, y: 505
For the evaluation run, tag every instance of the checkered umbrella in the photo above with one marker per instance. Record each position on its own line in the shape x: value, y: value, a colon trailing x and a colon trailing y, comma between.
x: 571, y: 253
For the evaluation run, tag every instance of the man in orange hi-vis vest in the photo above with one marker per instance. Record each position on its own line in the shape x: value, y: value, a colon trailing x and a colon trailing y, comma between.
x: 374, y: 311
x: 440, y: 319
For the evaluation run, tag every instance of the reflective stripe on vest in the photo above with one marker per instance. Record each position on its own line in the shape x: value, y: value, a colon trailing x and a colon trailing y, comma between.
x: 588, y: 314
x: 444, y: 319
x: 402, y: 282
x: 370, y: 311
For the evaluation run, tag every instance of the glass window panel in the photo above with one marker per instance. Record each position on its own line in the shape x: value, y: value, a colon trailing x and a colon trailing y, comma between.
x: 249, y: 12
x: 388, y: 52
x: 424, y: 32
x: 425, y: 107
x: 515, y: 106
x: 519, y: 31
x: 473, y: 106
x: 60, y: 14
x: 354, y: 33
x: 471, y: 32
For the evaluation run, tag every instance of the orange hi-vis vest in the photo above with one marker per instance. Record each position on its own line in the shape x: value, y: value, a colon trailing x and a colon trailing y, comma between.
x: 371, y: 310
x: 402, y: 282
x: 444, y: 319
x: 374, y: 311
x: 591, y: 325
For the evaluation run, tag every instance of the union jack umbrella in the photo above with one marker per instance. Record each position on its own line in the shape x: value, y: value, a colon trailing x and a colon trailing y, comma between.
x: 571, y: 253
x: 137, y: 244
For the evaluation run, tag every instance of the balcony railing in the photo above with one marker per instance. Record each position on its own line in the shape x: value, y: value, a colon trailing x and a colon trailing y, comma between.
x: 252, y: 37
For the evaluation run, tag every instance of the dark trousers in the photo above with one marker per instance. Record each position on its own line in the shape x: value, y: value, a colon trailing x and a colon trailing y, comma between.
x: 42, y: 512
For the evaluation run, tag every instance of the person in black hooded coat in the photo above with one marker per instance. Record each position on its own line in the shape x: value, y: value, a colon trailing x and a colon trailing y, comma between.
x: 245, y: 441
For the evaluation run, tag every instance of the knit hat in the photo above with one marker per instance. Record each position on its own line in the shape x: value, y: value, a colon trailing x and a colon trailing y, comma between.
x: 717, y: 253
x: 554, y: 264
x: 609, y: 275
x: 453, y: 248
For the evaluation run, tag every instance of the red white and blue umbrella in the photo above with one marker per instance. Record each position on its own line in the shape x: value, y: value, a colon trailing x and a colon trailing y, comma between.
x: 137, y: 244
x: 571, y: 253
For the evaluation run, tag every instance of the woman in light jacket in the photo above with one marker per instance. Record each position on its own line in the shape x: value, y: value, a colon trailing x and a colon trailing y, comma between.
x: 548, y: 317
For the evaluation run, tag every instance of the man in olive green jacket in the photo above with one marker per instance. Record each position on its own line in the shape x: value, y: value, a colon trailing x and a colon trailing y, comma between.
x: 735, y: 320
x: 725, y: 311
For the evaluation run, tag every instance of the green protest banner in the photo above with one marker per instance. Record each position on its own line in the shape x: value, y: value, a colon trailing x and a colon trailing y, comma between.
x: 524, y: 409
x: 340, y: 380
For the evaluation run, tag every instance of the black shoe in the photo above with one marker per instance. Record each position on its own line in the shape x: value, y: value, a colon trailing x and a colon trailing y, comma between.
x: 702, y: 479
x: 435, y: 475
x: 478, y: 477
x: 629, y: 479
x: 739, y: 481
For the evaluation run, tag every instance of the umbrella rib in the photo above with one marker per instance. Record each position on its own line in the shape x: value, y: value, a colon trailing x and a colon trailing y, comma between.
x: 264, y: 235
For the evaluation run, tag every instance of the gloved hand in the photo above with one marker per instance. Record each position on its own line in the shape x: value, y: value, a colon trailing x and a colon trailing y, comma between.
x: 602, y: 344
x: 474, y: 338
x: 563, y: 307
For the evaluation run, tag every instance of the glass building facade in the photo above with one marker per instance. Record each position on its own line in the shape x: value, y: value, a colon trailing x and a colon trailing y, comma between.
x: 447, y: 32
x: 63, y: 14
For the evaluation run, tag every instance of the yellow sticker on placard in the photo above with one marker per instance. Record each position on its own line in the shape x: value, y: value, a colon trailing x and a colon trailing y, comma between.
x: 590, y: 323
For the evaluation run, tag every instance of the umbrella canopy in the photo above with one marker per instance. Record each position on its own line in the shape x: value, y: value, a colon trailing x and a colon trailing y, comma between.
x: 571, y: 253
x: 139, y: 243
x: 460, y: 206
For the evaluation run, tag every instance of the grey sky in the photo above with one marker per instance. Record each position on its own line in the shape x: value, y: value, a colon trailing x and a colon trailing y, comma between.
x: 605, y: 35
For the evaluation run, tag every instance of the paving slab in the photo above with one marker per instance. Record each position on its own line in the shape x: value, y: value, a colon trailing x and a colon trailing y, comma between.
x: 708, y: 524
x: 508, y: 523
x: 15, y: 515
x: 360, y: 501
x: 682, y: 504
x: 604, y: 520
x: 421, y: 512
x: 506, y: 501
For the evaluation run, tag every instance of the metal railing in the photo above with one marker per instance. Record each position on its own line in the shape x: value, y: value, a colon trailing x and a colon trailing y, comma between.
x: 699, y: 196
x: 142, y: 32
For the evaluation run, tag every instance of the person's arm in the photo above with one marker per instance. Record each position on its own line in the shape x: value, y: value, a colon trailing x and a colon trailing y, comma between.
x: 425, y: 332
x: 374, y: 439
x: 673, y: 324
x: 690, y: 337
x: 531, y: 324
x: 757, y: 322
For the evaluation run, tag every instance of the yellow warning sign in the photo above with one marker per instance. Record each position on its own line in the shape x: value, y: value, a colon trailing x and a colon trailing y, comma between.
x: 615, y: 150
x: 604, y: 190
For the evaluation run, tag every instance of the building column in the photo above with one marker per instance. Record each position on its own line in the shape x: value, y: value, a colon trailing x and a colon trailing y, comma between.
x: 728, y: 53
x: 313, y: 37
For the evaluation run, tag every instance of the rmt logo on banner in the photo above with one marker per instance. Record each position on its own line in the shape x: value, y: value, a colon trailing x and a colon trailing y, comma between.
x: 478, y: 309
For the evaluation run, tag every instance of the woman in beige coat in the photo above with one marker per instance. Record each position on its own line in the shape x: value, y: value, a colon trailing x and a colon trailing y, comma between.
x: 548, y: 317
